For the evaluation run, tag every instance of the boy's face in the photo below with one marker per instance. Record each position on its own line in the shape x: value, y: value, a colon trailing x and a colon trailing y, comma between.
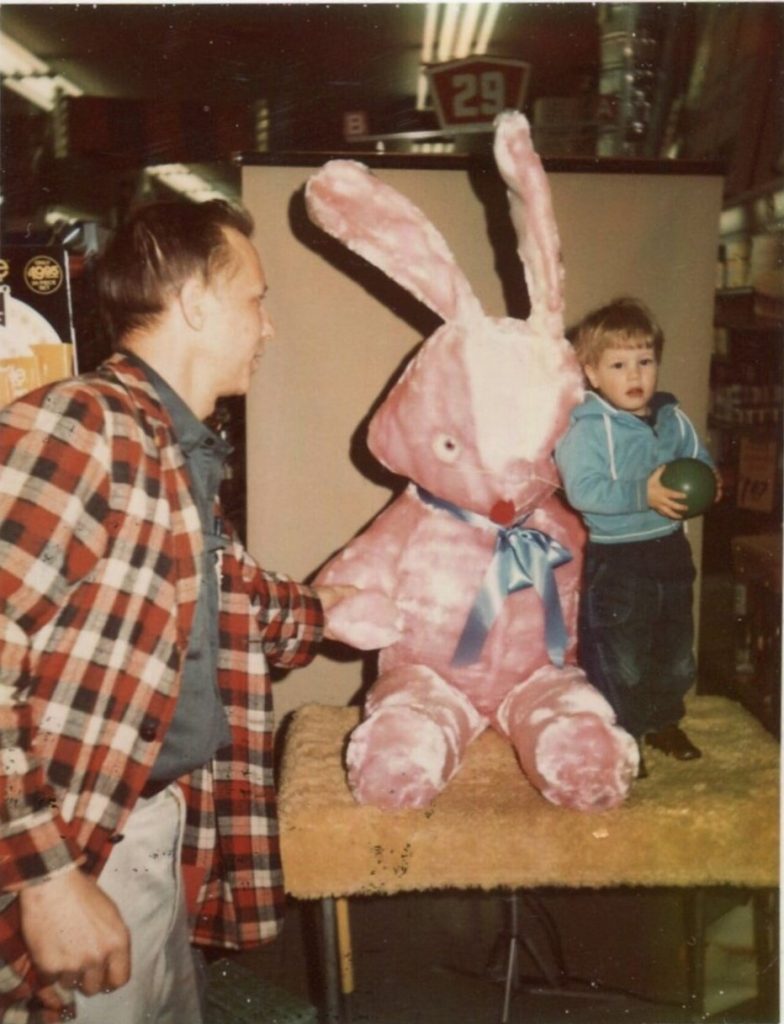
x: 626, y: 377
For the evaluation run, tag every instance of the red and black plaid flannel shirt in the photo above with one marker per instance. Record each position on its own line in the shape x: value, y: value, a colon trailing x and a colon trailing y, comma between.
x: 99, y: 572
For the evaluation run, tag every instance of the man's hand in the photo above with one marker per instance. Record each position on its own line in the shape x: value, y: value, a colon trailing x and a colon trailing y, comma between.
x: 664, y: 500
x: 75, y: 936
x: 329, y: 594
x: 365, y: 619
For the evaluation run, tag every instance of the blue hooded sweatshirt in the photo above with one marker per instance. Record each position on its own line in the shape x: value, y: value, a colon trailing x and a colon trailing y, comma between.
x: 607, y: 456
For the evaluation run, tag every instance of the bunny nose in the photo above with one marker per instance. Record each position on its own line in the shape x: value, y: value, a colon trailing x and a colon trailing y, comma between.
x: 503, y: 513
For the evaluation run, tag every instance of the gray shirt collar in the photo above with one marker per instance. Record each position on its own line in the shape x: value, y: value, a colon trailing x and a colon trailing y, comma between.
x: 190, y: 431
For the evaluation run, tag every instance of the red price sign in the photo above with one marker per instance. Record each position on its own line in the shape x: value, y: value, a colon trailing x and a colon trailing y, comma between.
x: 757, y: 474
x: 468, y: 93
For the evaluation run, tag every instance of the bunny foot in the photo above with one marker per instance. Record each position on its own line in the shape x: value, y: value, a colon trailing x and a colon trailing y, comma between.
x: 585, y: 764
x: 412, y: 741
x: 398, y: 758
x: 567, y: 742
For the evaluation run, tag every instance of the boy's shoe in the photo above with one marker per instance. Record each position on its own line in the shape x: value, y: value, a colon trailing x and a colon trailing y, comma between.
x: 673, y: 740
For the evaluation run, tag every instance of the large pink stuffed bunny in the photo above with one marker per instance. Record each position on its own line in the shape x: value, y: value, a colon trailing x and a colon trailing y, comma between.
x: 478, y: 557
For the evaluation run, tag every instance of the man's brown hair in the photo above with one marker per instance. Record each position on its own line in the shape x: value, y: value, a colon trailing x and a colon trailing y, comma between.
x: 155, y: 251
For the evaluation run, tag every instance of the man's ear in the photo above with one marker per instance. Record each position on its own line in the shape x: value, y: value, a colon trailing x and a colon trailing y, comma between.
x: 191, y: 299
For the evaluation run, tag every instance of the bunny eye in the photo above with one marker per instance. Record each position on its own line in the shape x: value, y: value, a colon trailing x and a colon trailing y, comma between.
x: 446, y: 448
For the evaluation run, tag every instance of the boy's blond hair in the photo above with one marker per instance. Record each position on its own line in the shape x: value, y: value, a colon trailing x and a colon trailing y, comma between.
x: 622, y: 323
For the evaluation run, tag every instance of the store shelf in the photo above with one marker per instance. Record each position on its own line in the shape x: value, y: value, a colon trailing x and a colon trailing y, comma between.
x: 740, y: 616
x: 748, y: 309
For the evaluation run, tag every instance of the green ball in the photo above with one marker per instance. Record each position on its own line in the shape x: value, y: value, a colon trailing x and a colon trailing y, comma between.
x: 695, y: 478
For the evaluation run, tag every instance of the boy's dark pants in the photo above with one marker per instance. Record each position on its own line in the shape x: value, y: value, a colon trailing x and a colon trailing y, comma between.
x: 635, y: 629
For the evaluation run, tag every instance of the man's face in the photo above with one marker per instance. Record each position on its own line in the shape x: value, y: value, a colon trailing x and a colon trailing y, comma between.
x: 238, y: 325
x: 626, y: 377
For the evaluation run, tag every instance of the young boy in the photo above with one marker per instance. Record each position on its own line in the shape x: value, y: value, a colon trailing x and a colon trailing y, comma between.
x: 635, y: 624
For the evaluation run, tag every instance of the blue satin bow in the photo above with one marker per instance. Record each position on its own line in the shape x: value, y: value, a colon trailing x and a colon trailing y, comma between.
x: 522, y: 558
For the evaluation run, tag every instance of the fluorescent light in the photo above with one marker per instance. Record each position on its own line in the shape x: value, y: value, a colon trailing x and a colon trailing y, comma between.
x: 432, y: 147
x: 446, y: 37
x: 465, y: 37
x: 488, y: 24
x: 733, y: 221
x: 182, y: 179
x: 16, y: 60
x: 428, y: 53
x: 429, y: 34
x: 768, y: 210
x: 62, y: 215
x: 30, y: 77
x: 450, y: 32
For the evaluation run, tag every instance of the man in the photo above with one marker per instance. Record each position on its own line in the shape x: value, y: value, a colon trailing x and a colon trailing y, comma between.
x: 135, y: 632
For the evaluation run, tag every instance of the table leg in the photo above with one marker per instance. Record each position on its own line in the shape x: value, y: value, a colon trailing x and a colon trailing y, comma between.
x: 766, y: 931
x: 345, y: 954
x: 513, y: 961
x: 695, y: 949
x: 330, y: 963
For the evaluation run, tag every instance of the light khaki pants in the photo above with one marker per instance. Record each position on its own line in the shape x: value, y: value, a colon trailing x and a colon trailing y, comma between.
x: 143, y: 878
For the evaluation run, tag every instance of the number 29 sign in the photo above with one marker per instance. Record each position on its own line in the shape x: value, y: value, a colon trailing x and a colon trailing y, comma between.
x: 468, y: 93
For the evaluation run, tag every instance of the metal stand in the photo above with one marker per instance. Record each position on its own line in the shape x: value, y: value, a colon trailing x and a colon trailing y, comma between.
x: 554, y: 982
x: 694, y: 912
x: 330, y: 962
x: 516, y: 940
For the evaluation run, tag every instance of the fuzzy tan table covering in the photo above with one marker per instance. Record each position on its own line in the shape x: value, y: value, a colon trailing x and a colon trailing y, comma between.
x: 699, y: 823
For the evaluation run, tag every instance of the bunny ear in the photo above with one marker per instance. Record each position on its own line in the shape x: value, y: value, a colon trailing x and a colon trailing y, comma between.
x: 373, y: 219
x: 530, y: 204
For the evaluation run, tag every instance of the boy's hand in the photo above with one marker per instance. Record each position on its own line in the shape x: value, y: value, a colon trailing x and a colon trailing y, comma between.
x: 664, y: 500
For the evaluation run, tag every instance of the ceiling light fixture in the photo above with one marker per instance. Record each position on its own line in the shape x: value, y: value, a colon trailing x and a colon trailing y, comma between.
x: 25, y: 74
x: 182, y: 179
x: 486, y: 31
x: 467, y: 30
x: 452, y: 31
x: 448, y: 33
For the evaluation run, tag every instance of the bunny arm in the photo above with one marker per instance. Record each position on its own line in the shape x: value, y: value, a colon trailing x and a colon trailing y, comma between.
x: 374, y: 220
x: 532, y: 214
x: 370, y: 619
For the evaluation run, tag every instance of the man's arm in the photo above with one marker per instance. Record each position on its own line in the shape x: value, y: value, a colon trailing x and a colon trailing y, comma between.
x: 54, y: 491
x: 53, y: 486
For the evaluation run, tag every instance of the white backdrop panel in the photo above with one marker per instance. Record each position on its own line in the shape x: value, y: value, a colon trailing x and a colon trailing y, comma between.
x: 337, y: 345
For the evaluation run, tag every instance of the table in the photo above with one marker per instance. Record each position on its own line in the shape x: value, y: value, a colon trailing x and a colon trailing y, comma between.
x: 710, y: 822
